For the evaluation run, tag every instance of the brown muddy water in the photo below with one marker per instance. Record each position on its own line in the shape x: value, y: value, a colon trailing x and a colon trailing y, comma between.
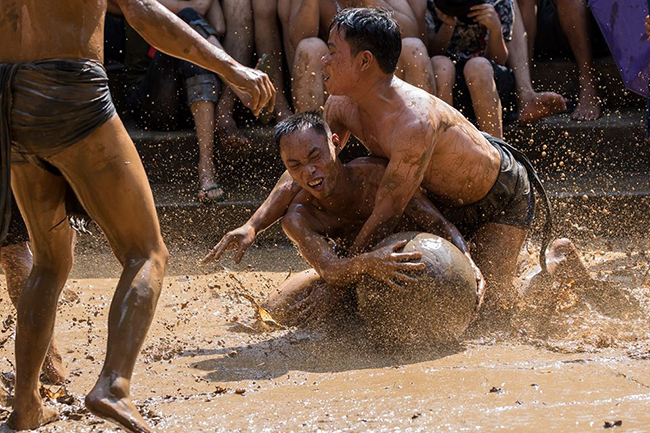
x: 580, y: 363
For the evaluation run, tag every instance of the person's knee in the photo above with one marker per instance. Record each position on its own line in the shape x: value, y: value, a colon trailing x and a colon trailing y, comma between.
x: 309, y: 52
x: 443, y: 68
x: 413, y: 49
x: 478, y: 72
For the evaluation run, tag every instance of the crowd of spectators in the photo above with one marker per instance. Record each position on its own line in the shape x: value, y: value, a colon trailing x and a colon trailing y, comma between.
x: 472, y: 54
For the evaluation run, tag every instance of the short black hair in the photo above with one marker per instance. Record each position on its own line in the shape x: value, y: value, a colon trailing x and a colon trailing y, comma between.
x: 301, y: 122
x: 374, y: 30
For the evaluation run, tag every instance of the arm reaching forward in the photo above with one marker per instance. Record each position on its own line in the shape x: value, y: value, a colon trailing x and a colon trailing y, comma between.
x: 168, y: 33
x: 408, y: 163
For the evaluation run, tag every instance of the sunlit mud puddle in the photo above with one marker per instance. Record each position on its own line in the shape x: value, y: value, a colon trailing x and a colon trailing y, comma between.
x: 202, y: 368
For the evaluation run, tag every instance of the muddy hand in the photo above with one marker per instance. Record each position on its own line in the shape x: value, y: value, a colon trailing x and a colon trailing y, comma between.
x: 392, y: 267
x: 253, y: 88
x: 240, y: 239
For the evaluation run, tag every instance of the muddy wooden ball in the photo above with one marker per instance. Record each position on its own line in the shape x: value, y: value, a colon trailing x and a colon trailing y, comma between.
x: 435, y: 309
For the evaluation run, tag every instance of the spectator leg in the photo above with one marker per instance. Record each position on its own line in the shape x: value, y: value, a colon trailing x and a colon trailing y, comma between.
x: 532, y: 106
x: 16, y: 262
x: 203, y: 113
x: 268, y: 40
x: 445, y: 74
x: 526, y: 14
x: 414, y: 65
x: 573, y: 19
x: 307, y: 77
x: 238, y: 42
x: 479, y: 76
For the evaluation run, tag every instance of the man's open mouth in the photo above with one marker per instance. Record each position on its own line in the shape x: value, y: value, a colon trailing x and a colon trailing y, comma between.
x: 315, y: 183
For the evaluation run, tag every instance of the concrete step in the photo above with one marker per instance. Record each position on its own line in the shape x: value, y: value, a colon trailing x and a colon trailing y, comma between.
x: 560, y: 75
x: 615, y: 143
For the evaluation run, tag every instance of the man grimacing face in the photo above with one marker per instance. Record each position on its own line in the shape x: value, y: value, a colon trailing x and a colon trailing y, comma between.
x: 310, y: 159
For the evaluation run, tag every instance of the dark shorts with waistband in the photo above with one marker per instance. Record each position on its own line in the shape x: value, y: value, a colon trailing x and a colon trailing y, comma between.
x: 511, y: 201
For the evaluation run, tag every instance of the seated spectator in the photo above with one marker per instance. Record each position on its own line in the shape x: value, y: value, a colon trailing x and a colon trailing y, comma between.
x: 166, y: 93
x: 305, y: 25
x: 268, y: 42
x: 476, y: 41
x: 564, y: 23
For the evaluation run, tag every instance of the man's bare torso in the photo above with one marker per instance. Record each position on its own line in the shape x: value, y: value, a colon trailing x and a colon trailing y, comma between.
x: 34, y: 30
x: 343, y: 222
x: 463, y: 166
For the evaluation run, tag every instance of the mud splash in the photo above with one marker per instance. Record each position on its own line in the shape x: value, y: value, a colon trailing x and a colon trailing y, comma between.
x: 578, y: 364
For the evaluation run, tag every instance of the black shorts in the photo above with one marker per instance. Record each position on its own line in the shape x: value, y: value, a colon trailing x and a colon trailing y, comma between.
x: 504, y: 78
x: 511, y: 201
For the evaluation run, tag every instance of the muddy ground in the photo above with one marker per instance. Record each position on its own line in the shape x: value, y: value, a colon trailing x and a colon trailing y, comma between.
x: 580, y: 365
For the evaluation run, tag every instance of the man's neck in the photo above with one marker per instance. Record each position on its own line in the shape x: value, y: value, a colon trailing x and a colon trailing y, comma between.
x: 344, y: 192
x: 376, y: 98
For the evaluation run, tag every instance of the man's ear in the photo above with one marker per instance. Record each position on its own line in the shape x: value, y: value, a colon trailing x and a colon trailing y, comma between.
x: 338, y: 145
x: 366, y: 58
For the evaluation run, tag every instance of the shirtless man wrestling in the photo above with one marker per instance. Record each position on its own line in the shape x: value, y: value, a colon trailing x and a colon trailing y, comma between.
x: 476, y: 181
x: 326, y: 216
x: 56, y: 113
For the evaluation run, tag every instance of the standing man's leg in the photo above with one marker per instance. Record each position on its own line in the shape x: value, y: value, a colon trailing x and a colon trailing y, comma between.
x: 107, y: 175
x: 41, y: 198
x: 238, y: 42
x: 16, y: 261
x: 531, y: 105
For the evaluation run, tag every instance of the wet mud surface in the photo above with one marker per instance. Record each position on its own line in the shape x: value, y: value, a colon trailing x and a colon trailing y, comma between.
x: 580, y: 363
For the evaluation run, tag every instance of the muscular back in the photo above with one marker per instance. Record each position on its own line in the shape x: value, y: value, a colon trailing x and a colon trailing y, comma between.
x: 33, y: 30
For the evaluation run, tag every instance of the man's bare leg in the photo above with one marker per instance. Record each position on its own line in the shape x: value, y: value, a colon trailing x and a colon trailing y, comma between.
x: 203, y: 113
x: 414, y: 65
x: 573, y: 19
x: 497, y: 248
x: 268, y: 40
x: 307, y: 77
x: 16, y: 262
x: 445, y: 75
x: 303, y: 299
x: 41, y: 198
x: 107, y: 175
x: 532, y: 106
x: 238, y: 42
x: 479, y: 76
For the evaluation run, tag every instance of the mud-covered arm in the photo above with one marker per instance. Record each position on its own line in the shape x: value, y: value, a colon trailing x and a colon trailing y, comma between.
x: 168, y: 33
x: 402, y: 178
x: 273, y: 208
x: 428, y: 217
x: 384, y: 264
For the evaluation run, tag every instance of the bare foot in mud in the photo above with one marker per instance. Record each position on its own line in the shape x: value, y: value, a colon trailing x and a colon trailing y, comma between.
x: 32, y: 417
x: 112, y: 403
x: 564, y: 262
x: 588, y: 107
x: 230, y: 136
x: 536, y: 106
x: 53, y: 371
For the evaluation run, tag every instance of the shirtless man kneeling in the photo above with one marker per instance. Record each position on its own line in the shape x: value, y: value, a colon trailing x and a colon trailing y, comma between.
x: 325, y: 217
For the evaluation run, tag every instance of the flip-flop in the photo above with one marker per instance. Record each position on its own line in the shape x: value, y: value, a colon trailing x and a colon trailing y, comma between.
x: 208, y: 199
